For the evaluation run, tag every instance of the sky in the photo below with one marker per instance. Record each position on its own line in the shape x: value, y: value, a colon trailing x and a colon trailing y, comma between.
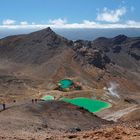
x: 28, y: 14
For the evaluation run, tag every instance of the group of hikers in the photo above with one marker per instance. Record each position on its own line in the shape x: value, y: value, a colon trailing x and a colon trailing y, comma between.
x: 34, y: 100
x: 3, y: 105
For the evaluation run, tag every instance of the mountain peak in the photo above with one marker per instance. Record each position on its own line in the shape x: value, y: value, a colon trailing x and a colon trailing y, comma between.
x: 48, y: 29
x: 42, y: 35
x: 45, y: 31
x: 119, y: 39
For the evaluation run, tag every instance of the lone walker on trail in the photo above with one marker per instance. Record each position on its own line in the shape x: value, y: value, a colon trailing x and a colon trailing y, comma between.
x: 4, y: 106
x: 35, y: 100
x: 32, y: 100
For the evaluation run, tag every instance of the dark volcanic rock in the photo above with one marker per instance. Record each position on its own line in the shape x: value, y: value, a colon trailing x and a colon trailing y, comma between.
x: 119, y: 39
x: 74, y: 130
x: 92, y: 57
x: 116, y: 49
x: 120, y: 50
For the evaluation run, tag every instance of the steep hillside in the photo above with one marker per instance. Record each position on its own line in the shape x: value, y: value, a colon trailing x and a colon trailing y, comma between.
x: 120, y: 50
x: 35, y: 48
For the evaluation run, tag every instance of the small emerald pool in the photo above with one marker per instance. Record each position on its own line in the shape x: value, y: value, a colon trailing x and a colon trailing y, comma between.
x: 89, y: 104
x: 65, y: 83
x: 47, y: 97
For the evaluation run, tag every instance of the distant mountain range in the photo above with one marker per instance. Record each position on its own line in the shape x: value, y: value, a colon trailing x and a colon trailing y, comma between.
x: 76, y: 34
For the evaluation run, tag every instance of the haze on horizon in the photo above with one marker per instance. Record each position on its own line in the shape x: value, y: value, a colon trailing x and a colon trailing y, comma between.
x: 67, y: 17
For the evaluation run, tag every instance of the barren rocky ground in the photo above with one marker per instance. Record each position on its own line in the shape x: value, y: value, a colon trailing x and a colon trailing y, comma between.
x: 59, y: 120
x: 31, y: 66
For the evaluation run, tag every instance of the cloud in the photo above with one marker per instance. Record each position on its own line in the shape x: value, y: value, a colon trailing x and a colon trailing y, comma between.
x: 24, y: 23
x: 9, y: 22
x: 84, y: 24
x: 58, y: 21
x: 113, y: 16
x: 90, y: 23
x: 133, y: 23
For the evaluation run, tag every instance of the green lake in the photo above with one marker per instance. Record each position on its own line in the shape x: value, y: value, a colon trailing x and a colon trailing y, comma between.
x: 89, y: 104
x: 65, y: 83
x: 47, y: 97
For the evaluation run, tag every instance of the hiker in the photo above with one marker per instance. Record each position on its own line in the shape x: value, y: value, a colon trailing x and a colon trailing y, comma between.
x: 35, y: 100
x: 32, y: 100
x: 14, y: 101
x: 4, y: 106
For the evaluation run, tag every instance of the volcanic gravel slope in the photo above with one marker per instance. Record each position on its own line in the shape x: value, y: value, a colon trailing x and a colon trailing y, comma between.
x: 38, y: 122
x: 45, y: 115
x: 56, y: 120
